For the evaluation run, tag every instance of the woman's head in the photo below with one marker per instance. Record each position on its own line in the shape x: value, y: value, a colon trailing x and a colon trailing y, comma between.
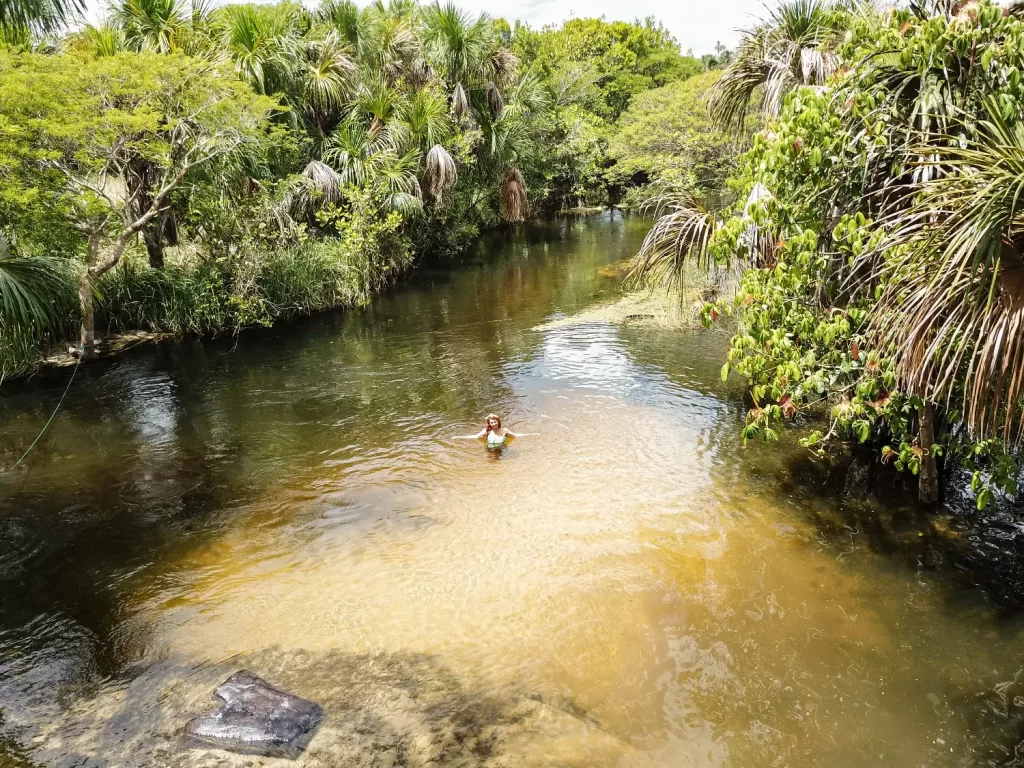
x: 492, y: 422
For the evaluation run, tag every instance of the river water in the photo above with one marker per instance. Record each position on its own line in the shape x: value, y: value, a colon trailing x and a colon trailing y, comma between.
x: 630, y: 587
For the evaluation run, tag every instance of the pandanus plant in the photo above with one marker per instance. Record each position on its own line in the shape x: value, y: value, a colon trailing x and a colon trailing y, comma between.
x: 951, y: 311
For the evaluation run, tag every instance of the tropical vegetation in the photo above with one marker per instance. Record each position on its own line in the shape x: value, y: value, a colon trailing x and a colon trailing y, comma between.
x: 190, y: 169
x: 878, y: 221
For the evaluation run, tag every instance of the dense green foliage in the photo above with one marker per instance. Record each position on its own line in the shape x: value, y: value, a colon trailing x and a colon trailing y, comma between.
x: 192, y: 170
x: 880, y: 222
x: 666, y: 138
x: 594, y: 69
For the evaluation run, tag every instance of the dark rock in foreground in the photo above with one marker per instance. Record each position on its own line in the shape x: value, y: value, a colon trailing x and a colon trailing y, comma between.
x: 257, y: 719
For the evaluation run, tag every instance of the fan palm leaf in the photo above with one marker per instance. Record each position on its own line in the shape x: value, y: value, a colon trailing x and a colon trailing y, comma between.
x: 679, y: 237
x: 151, y: 25
x: 30, y: 289
x: 324, y: 180
x: 458, y: 45
x: 951, y: 311
x: 40, y: 15
x: 794, y: 46
x: 328, y: 75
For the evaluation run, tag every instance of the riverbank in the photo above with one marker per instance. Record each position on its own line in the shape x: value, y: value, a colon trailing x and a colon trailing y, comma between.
x: 209, y: 294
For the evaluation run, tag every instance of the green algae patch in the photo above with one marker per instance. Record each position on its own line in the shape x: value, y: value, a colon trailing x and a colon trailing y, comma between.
x: 655, y: 309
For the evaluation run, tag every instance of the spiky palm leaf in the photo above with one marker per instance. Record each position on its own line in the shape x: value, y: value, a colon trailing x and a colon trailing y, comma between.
x: 952, y: 307
x: 679, y: 237
x: 526, y: 96
x: 108, y: 40
x: 459, y: 46
x: 30, y: 289
x: 151, y: 25
x: 389, y: 43
x: 348, y: 149
x: 347, y: 19
x: 422, y: 120
x: 40, y: 15
x: 328, y: 75
x: 794, y: 46
x: 392, y: 178
x: 378, y: 101
x: 258, y: 42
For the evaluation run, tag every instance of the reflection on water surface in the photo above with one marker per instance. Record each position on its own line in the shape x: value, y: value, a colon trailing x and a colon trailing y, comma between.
x: 629, y: 588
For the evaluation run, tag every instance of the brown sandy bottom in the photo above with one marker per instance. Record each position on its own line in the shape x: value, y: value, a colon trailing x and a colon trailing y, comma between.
x: 383, y: 709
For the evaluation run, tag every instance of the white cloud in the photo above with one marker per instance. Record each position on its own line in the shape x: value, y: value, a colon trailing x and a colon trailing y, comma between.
x: 696, y: 24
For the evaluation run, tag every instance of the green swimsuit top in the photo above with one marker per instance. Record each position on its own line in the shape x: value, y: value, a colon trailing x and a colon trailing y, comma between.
x: 494, y: 440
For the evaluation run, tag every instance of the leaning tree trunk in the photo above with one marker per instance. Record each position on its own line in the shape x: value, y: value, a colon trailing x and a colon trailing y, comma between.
x: 928, y: 479
x: 86, y: 293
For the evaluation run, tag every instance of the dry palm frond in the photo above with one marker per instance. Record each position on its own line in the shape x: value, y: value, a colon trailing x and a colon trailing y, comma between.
x: 324, y: 180
x: 951, y: 312
x: 460, y: 101
x: 441, y: 171
x: 680, y: 235
x: 495, y: 103
x: 419, y: 73
x: 760, y: 243
x: 504, y: 64
x: 512, y: 196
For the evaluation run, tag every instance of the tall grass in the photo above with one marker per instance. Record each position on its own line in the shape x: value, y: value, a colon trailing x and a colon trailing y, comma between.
x: 257, y: 285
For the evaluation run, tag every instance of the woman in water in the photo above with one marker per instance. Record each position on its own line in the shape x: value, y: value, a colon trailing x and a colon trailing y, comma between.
x: 493, y: 434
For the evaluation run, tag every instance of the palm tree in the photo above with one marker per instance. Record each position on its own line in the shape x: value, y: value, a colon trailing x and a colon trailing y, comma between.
x: 41, y: 15
x: 30, y: 289
x: 258, y: 43
x: 951, y: 313
x: 151, y: 25
x: 389, y: 43
x: 794, y: 46
x: 327, y: 73
x: 460, y: 49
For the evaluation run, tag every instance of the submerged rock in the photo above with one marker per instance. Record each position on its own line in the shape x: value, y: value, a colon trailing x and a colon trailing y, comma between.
x: 257, y: 719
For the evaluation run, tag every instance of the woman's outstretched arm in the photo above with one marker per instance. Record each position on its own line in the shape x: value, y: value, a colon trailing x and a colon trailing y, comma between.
x: 479, y: 435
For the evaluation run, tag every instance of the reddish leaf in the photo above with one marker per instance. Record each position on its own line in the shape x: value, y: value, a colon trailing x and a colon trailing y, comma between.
x: 855, y: 352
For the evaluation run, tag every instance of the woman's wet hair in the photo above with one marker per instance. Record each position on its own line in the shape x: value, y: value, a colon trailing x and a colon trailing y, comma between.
x: 487, y: 422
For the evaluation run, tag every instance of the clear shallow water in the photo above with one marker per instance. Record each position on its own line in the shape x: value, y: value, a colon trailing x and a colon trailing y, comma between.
x: 629, y: 588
